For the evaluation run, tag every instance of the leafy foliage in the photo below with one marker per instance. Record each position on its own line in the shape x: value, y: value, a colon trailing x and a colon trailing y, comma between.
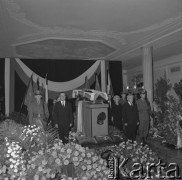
x: 19, y: 118
x: 162, y: 87
x: 27, y: 136
x: 178, y: 89
x: 168, y: 109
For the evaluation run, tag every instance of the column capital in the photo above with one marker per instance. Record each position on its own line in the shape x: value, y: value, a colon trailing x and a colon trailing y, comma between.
x: 146, y: 47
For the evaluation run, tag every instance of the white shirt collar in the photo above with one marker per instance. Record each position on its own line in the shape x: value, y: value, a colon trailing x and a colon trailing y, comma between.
x: 130, y: 103
x: 63, y: 102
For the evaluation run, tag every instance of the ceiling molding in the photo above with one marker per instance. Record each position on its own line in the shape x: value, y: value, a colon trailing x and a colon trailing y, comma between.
x: 22, y: 25
x: 158, y: 64
x: 15, y: 12
x: 133, y: 49
x: 64, y: 49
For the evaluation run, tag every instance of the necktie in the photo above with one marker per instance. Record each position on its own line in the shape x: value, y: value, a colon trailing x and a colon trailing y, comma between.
x: 62, y: 102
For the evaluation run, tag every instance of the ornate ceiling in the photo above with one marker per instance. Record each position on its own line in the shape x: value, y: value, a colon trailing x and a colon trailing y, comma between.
x: 90, y: 29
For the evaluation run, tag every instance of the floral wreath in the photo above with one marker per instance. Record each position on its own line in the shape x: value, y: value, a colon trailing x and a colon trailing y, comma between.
x: 101, y: 117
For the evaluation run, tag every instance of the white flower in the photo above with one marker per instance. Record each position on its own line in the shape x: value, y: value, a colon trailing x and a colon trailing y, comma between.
x: 89, y: 167
x: 43, y: 178
x: 58, y: 161
x: 88, y: 155
x: 33, y: 166
x: 84, y: 168
x: 52, y: 175
x: 94, y: 166
x: 99, y: 168
x: 89, y: 161
x: 36, y: 177
x: 95, y: 176
x: 84, y: 178
x: 75, y: 158
x: 76, y: 163
x: 69, y: 151
x: 62, y: 150
x: 76, y: 153
x: 40, y: 168
x: 40, y: 152
x: 66, y: 162
x: 93, y: 172
x: 101, y: 161
x: 54, y: 154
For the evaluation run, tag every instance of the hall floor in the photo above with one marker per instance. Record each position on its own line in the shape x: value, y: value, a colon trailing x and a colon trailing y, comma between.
x: 167, y: 153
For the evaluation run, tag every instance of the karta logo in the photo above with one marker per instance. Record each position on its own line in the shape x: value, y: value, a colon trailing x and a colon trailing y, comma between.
x: 142, y: 171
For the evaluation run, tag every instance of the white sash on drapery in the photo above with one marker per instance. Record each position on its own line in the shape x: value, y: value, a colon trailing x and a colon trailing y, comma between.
x: 80, y: 117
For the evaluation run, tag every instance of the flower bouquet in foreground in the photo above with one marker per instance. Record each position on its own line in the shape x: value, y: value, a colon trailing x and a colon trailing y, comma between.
x: 57, y: 161
x: 132, y: 153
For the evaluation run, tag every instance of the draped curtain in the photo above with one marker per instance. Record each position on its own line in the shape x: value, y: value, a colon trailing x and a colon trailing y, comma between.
x: 54, y: 88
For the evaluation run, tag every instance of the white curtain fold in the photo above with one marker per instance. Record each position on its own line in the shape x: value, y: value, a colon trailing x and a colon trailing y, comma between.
x: 7, y: 85
x: 61, y: 86
x: 80, y: 117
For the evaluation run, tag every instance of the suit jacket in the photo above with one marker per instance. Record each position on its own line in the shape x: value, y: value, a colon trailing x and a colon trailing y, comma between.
x: 130, y: 114
x: 63, y: 115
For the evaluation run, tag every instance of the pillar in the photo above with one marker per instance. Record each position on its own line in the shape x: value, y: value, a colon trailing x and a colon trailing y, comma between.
x: 103, y: 75
x: 9, y: 86
x: 147, y: 63
x: 125, y: 78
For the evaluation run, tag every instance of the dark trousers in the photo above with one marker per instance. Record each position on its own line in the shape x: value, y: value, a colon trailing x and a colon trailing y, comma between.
x: 130, y: 132
x: 64, y: 135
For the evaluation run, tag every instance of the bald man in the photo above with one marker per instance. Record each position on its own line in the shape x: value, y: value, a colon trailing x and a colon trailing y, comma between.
x: 63, y: 117
x: 130, y: 118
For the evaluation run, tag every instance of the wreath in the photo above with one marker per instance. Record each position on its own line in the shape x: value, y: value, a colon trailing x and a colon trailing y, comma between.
x: 101, y: 117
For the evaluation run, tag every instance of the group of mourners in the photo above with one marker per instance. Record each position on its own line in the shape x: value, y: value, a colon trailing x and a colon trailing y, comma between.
x: 60, y: 115
x: 130, y: 114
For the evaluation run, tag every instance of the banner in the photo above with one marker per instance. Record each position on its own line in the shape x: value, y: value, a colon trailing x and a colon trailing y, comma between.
x: 61, y: 86
x: 30, y: 93
x: 109, y: 85
x: 97, y: 85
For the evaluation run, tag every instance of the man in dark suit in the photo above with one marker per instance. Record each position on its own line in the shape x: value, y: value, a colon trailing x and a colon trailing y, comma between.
x: 63, y: 117
x: 110, y: 118
x: 130, y: 118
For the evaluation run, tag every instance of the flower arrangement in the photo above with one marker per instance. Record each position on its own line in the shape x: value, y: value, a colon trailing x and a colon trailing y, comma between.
x: 12, y: 160
x: 59, y: 161
x: 32, y: 136
x: 135, y: 153
x: 46, y: 163
x: 51, y: 162
x: 73, y: 135
x: 167, y: 110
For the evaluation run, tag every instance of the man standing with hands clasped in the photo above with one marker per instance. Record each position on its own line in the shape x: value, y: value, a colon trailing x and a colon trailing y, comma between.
x: 63, y: 117
x: 130, y: 118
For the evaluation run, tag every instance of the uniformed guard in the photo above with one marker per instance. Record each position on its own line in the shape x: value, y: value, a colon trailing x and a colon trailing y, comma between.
x: 144, y: 110
x: 38, y: 111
